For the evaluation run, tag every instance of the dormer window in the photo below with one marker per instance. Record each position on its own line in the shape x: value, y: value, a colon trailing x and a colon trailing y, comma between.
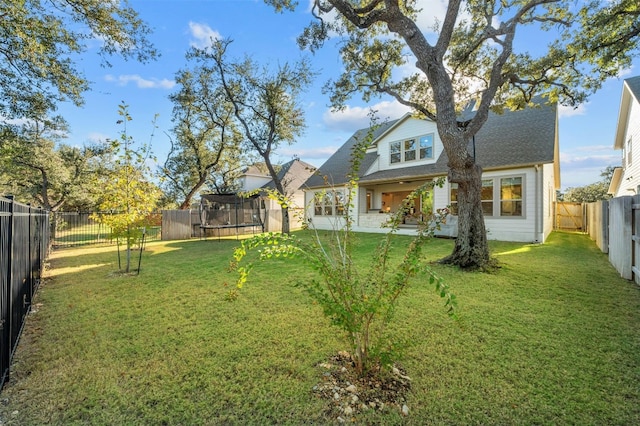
x: 411, y: 149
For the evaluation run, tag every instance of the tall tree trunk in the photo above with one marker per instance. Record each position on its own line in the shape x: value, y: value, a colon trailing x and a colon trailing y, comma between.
x: 286, y: 223
x: 471, y: 249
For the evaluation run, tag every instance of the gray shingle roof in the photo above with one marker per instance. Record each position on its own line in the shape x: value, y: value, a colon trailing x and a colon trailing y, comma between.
x: 511, y: 139
x: 293, y: 175
x: 634, y: 86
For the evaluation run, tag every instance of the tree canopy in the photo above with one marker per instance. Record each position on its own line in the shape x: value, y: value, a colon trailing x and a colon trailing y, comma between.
x: 593, y: 192
x: 41, y: 39
x: 265, y: 102
x: 207, y: 147
x: 473, y: 55
x: 38, y: 169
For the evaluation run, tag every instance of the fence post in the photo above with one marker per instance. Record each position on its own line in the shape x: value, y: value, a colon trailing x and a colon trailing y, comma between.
x: 7, y: 314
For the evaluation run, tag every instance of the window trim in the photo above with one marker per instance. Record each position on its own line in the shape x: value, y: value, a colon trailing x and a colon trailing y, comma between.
x: 321, y: 205
x: 398, y: 151
x: 497, y: 197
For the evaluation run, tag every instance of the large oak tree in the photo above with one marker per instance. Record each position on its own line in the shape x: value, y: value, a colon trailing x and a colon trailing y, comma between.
x: 265, y: 103
x: 473, y: 55
x: 206, y: 148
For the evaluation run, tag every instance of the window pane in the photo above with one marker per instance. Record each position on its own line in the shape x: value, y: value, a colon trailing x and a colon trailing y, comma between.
x: 454, y: 198
x: 511, y: 208
x: 487, y: 190
x: 318, y: 210
x: 396, y: 152
x: 511, y: 196
x: 409, y: 150
x: 487, y: 208
x: 511, y: 188
x: 328, y: 203
x: 339, y: 200
x: 426, y: 147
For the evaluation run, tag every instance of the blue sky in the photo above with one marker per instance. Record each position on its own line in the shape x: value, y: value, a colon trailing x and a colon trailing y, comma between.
x: 586, y: 134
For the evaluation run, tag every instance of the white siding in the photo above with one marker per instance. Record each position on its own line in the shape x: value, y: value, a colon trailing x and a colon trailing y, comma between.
x: 631, y: 174
x: 410, y: 128
x: 251, y: 182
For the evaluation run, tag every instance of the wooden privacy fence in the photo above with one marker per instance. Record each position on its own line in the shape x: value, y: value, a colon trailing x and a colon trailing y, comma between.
x: 570, y: 216
x: 185, y: 224
x: 24, y: 242
x: 615, y: 226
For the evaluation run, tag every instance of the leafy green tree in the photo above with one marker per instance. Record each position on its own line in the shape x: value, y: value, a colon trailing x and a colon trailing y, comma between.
x: 472, y: 56
x: 593, y: 192
x: 265, y: 102
x: 41, y: 39
x: 207, y: 142
x: 608, y: 36
x: 39, y: 169
x: 128, y: 196
x: 359, y: 299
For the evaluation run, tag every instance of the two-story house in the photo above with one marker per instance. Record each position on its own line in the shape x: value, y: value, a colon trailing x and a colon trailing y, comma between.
x: 518, y: 152
x: 626, y: 179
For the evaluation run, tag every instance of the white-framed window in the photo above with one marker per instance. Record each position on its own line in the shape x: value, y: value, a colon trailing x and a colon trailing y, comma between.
x: 411, y: 149
x: 629, y: 152
x: 500, y: 196
x: 329, y: 203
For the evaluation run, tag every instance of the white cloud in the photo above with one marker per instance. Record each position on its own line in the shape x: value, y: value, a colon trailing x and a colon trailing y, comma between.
x: 16, y: 121
x: 433, y: 12
x: 567, y: 111
x: 313, y: 153
x: 582, y: 166
x: 96, y: 137
x: 202, y: 35
x: 142, y: 83
x: 353, y: 118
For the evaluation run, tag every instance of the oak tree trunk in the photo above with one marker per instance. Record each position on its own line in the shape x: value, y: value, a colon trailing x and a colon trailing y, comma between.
x: 471, y: 249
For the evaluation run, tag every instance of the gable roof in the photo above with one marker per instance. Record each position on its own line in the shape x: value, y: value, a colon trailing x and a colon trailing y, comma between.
x: 338, y: 166
x: 630, y: 92
x: 512, y: 139
x: 293, y: 175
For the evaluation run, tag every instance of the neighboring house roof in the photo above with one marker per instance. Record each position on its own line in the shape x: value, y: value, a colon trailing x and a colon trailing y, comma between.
x: 257, y: 169
x: 512, y: 139
x: 630, y: 92
x: 293, y: 175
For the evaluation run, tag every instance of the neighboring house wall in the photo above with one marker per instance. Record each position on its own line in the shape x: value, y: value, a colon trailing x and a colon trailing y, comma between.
x: 251, y: 182
x: 627, y: 139
x: 630, y: 156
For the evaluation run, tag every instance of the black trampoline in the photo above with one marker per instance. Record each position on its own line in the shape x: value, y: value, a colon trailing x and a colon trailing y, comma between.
x: 229, y: 214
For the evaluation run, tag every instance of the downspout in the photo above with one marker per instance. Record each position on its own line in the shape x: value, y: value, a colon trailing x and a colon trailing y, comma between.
x: 539, y: 209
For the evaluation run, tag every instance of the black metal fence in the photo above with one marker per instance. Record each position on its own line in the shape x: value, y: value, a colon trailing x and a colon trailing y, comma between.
x: 24, y: 242
x: 79, y: 228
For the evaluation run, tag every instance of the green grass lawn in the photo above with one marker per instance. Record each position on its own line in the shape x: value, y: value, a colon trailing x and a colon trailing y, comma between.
x: 552, y: 337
